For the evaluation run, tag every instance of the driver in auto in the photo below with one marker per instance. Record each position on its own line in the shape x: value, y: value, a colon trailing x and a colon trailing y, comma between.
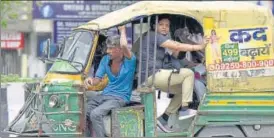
x: 119, y: 65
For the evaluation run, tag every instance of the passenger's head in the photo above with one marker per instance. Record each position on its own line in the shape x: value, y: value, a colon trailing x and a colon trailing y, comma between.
x: 113, y: 47
x: 163, y: 25
x: 213, y: 32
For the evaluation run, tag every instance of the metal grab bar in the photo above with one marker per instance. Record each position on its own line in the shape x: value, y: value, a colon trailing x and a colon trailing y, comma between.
x: 147, y: 53
x: 140, y: 53
x: 53, y: 113
x: 57, y: 93
x: 155, y: 50
x: 147, y: 48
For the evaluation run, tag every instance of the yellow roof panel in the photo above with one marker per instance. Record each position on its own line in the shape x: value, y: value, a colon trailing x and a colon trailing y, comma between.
x: 188, y: 8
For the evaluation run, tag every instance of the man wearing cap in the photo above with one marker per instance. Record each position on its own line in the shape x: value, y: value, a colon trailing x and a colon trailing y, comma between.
x: 119, y: 65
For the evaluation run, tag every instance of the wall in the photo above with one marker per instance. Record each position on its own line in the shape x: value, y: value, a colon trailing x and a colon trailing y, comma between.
x: 36, y: 67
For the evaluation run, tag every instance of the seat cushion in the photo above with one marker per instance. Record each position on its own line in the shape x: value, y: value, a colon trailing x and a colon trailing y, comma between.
x: 107, y: 118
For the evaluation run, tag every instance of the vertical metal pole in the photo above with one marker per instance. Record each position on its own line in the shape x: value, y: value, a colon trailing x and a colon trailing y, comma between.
x: 140, y: 53
x: 147, y: 48
x: 155, y: 50
x: 148, y: 99
x: 40, y: 109
x: 0, y: 79
x: 48, y: 43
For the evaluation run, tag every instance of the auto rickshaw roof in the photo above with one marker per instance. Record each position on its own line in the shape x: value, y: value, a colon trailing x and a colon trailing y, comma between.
x: 193, y: 9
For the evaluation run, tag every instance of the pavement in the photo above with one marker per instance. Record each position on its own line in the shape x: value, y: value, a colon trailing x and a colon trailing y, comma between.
x: 15, y: 100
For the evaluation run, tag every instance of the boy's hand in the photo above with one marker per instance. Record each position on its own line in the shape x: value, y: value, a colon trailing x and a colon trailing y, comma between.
x: 205, y: 41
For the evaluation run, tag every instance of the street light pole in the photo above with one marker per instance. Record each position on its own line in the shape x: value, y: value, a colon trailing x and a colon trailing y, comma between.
x: 0, y: 79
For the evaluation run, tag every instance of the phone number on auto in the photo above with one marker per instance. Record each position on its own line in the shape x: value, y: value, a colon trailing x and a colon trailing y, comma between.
x: 241, y: 65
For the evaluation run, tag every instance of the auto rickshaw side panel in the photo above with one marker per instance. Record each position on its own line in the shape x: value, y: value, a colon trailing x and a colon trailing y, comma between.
x: 241, y: 58
x: 239, y: 101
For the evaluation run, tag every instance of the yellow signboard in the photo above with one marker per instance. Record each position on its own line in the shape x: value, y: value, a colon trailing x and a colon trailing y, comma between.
x: 238, y: 59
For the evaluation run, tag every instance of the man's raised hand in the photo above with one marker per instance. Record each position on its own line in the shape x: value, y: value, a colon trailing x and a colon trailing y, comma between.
x: 88, y: 82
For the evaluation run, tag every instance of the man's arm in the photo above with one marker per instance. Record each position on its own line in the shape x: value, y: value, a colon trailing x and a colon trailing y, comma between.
x: 92, y: 81
x: 177, y: 46
x: 175, y: 53
x: 123, y: 42
x: 99, y: 74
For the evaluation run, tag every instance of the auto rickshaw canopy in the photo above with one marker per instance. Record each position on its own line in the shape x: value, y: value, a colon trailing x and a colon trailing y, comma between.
x: 232, y: 12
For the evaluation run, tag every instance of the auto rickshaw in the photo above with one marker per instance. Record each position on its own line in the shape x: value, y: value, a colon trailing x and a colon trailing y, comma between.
x: 238, y: 101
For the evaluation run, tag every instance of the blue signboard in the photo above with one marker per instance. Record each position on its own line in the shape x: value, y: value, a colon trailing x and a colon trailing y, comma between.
x: 67, y: 15
x: 70, y: 14
x: 76, y: 10
x: 63, y: 28
x: 41, y: 42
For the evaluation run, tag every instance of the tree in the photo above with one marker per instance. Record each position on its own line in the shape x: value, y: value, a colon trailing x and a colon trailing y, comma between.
x: 8, y: 11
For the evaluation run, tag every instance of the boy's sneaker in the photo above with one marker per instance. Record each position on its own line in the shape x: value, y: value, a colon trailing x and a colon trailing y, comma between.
x: 188, y: 113
x: 163, y: 125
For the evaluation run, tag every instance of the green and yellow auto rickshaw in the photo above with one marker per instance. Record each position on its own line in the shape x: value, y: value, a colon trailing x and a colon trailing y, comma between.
x: 238, y: 101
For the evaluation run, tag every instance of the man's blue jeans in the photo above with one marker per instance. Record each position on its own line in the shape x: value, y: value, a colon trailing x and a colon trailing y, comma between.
x: 97, y: 107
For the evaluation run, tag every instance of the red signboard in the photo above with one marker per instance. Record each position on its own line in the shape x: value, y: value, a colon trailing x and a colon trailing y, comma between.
x: 12, y: 40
